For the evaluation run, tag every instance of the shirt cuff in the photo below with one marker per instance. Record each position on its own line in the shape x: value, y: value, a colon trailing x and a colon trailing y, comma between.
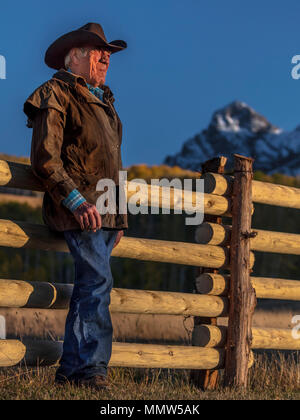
x: 73, y: 200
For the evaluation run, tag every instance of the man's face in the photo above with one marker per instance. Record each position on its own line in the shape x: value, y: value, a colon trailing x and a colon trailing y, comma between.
x: 99, y: 63
x: 93, y: 67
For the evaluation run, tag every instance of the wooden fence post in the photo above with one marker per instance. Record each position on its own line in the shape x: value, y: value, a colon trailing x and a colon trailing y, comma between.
x: 242, y: 298
x: 207, y: 379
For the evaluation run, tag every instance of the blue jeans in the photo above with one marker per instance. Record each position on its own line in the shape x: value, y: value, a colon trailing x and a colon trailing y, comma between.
x: 88, y: 332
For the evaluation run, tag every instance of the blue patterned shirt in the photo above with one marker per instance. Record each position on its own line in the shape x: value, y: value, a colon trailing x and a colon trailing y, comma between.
x: 98, y: 92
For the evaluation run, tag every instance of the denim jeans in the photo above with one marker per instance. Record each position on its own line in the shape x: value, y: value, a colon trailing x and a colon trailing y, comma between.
x: 88, y: 332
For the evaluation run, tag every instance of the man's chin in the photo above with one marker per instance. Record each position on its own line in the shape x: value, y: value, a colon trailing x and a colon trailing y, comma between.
x: 102, y: 79
x: 101, y: 82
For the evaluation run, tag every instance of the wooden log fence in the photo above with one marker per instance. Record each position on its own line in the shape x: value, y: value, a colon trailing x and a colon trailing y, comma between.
x: 28, y: 235
x: 123, y: 355
x: 242, y: 295
x: 207, y: 379
x: 262, y: 192
x: 16, y: 175
x: 265, y: 287
x: 219, y: 246
x: 265, y: 241
x: 22, y: 294
x: 262, y: 338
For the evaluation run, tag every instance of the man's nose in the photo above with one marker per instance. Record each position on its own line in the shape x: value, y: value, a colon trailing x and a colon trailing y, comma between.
x: 105, y: 58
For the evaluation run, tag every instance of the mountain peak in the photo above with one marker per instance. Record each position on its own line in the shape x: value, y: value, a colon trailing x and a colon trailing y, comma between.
x: 238, y: 116
x: 238, y: 128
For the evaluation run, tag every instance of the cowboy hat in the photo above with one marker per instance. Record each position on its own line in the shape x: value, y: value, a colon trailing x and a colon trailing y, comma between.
x: 90, y: 34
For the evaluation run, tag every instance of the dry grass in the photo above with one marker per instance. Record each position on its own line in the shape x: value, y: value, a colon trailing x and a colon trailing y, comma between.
x: 277, y: 377
x: 274, y: 375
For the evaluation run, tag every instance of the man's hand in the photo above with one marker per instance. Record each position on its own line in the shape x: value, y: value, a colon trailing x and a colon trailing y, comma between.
x: 118, y: 238
x: 88, y: 217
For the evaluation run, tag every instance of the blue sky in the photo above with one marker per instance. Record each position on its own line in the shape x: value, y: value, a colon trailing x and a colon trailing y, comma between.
x: 185, y: 59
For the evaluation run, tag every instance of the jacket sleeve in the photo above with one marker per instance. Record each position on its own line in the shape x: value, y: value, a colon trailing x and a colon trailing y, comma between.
x: 120, y: 133
x: 46, y: 109
x: 46, y: 163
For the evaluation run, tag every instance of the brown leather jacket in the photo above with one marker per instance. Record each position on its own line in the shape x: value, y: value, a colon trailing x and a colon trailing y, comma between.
x: 76, y: 141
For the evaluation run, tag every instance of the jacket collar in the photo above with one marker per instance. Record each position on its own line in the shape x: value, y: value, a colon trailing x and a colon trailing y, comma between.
x: 74, y: 79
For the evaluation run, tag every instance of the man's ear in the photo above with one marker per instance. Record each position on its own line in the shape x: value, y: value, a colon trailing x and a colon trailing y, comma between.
x: 75, y: 55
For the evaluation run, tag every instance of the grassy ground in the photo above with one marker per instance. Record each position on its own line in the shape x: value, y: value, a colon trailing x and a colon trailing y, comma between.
x: 272, y: 377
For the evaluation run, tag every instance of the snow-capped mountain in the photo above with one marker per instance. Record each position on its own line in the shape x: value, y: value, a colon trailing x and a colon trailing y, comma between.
x: 238, y: 128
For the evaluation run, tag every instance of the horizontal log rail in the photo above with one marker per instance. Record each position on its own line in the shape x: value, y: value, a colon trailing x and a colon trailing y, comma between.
x: 157, y: 196
x: 23, y: 294
x: 23, y: 234
x: 265, y: 287
x: 262, y: 192
x: 264, y: 241
x: 211, y: 336
x: 27, y: 294
x: 17, y: 175
x: 135, y: 355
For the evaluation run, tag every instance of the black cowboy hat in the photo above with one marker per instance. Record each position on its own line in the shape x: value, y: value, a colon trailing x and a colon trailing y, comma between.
x: 90, y: 34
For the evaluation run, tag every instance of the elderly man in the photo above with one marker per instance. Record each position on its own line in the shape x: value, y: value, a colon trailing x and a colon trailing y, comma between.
x: 76, y: 141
